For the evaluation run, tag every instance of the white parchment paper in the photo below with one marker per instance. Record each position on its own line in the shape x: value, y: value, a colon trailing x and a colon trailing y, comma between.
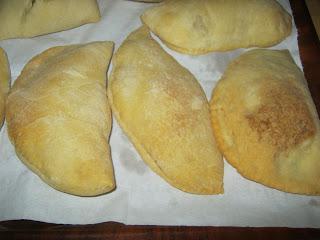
x: 142, y: 197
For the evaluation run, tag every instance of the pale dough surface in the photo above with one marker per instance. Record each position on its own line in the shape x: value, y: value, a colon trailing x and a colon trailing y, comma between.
x: 266, y: 124
x: 59, y: 118
x: 202, y: 26
x: 4, y: 83
x: 164, y: 111
x: 29, y: 18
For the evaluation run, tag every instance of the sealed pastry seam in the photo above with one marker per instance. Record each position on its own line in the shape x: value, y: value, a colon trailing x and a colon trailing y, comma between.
x: 29, y: 18
x: 271, y: 136
x: 203, y: 26
x: 149, y: 159
x: 166, y: 129
x: 58, y: 132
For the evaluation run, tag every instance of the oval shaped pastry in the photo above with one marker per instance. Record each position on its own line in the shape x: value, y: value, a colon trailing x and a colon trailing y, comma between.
x: 59, y: 118
x: 4, y: 83
x: 202, y: 26
x: 164, y: 111
x: 266, y: 123
x: 29, y: 18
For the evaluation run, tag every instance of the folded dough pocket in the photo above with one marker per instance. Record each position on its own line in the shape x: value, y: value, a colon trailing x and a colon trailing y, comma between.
x: 29, y: 18
x: 59, y: 119
x: 4, y: 83
x: 201, y: 26
x: 164, y: 111
x: 266, y: 123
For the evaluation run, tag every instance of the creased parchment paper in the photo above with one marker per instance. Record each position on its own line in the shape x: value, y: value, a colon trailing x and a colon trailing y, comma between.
x: 141, y: 196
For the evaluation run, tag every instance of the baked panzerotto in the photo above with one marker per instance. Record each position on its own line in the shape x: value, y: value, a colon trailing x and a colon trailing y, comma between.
x: 59, y: 118
x: 4, y: 83
x: 164, y: 111
x: 202, y: 26
x: 29, y: 18
x: 266, y: 123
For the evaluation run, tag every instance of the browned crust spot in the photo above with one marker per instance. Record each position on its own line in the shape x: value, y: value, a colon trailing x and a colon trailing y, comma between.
x: 283, y: 119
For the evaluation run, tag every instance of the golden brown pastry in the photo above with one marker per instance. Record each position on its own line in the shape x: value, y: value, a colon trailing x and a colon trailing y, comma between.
x: 266, y: 124
x: 202, y: 26
x: 59, y: 118
x: 4, y: 83
x: 29, y: 18
x: 164, y: 111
